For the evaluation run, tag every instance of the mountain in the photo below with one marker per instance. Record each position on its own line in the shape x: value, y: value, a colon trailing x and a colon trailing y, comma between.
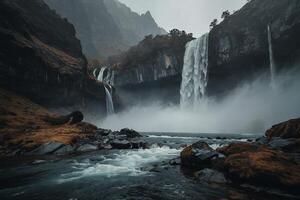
x: 238, y: 51
x: 107, y: 27
x: 134, y: 27
x: 42, y: 59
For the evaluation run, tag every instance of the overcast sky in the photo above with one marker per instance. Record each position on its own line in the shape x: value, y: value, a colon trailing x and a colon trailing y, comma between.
x: 189, y: 15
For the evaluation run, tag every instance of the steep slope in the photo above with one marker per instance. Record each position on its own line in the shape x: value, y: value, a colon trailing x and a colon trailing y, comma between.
x: 42, y: 59
x: 95, y: 27
x: 238, y: 48
x: 105, y: 28
x: 134, y: 27
x: 38, y: 60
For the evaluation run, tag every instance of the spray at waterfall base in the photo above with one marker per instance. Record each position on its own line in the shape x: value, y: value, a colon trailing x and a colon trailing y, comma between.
x: 251, y: 108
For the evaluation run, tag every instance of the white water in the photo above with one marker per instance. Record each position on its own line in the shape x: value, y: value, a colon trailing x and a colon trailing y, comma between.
x: 109, y: 101
x: 101, y: 74
x: 125, y: 162
x: 194, y: 74
x: 271, y: 55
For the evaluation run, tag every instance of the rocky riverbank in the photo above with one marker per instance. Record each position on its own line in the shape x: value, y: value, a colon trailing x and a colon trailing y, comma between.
x: 270, y: 162
x: 29, y: 129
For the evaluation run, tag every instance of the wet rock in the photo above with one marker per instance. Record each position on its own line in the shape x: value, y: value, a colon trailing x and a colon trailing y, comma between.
x: 67, y: 149
x: 103, y: 132
x: 285, y: 130
x: 175, y: 161
x: 261, y: 165
x: 139, y: 145
x: 121, y: 144
x: 130, y: 133
x: 262, y: 140
x: 211, y: 176
x: 46, y: 148
x: 198, y: 155
x: 87, y: 148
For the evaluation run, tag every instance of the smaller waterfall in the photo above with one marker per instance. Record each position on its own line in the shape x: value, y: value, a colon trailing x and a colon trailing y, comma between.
x: 194, y: 73
x: 109, y: 100
x: 271, y: 57
x: 101, y: 74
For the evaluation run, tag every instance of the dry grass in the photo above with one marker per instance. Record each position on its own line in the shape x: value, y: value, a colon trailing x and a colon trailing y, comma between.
x: 22, y: 124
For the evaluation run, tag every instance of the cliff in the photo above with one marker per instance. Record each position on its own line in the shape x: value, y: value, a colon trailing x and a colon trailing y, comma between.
x: 153, y: 67
x: 41, y: 58
x: 238, y: 47
x: 105, y: 28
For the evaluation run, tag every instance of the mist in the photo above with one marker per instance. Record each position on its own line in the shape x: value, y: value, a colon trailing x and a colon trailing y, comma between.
x: 251, y: 108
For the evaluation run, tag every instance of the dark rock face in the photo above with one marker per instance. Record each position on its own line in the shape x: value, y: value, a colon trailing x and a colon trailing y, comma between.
x: 152, y: 69
x: 238, y: 47
x: 42, y: 58
x: 285, y: 130
x: 38, y: 60
x: 105, y: 28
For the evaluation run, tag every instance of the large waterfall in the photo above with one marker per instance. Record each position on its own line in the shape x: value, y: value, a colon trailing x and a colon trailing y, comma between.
x: 271, y: 57
x: 109, y: 100
x: 194, y: 73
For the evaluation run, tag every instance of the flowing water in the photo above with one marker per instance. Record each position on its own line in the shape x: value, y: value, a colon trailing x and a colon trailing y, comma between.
x: 101, y: 74
x: 271, y: 57
x: 109, y: 100
x: 116, y: 174
x: 194, y: 74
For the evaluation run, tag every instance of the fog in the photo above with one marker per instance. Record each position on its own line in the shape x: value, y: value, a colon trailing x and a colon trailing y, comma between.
x: 190, y: 15
x: 251, y: 108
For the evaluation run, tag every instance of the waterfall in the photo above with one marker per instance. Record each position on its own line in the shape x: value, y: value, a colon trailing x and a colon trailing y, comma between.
x: 194, y: 73
x: 101, y: 74
x: 109, y: 100
x: 271, y: 56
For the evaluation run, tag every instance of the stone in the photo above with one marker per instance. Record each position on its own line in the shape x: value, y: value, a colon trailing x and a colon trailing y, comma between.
x: 175, y: 161
x: 285, y: 130
x: 211, y: 176
x: 130, y: 133
x: 198, y: 155
x: 121, y: 144
x: 87, y: 148
x: 46, y: 148
x: 261, y: 165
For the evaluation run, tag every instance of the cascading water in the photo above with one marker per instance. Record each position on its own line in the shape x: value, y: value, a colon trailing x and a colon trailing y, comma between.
x: 109, y: 100
x: 271, y: 57
x: 101, y: 74
x: 194, y: 73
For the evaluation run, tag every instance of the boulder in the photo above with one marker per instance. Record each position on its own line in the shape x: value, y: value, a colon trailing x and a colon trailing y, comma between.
x: 138, y: 144
x: 211, y: 176
x: 285, y: 130
x: 130, y: 133
x: 198, y: 155
x: 46, y: 148
x: 260, y: 165
x: 121, y: 144
x: 87, y: 148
